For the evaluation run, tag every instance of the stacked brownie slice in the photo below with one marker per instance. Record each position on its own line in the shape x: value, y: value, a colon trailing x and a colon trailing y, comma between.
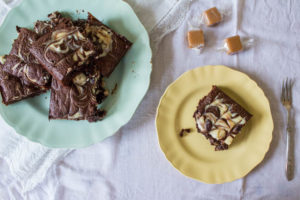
x: 69, y: 57
x: 21, y: 75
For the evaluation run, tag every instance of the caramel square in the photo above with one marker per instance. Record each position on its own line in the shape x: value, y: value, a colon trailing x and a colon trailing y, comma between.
x: 212, y: 16
x: 196, y: 39
x: 233, y: 44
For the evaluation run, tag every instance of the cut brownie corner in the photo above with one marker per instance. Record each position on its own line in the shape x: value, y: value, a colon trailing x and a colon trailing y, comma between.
x: 13, y: 89
x: 219, y: 118
x: 111, y: 46
x: 98, y: 116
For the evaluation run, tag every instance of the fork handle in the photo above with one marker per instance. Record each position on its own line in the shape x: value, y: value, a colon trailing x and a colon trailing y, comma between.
x: 289, y: 157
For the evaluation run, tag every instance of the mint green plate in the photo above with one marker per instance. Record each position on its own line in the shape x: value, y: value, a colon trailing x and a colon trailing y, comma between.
x: 30, y: 117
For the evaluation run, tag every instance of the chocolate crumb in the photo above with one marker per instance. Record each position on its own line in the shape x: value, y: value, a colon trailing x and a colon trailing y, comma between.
x: 115, y: 89
x: 184, y: 132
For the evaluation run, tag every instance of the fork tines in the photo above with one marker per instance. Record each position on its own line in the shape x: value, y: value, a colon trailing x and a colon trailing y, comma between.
x: 286, y: 91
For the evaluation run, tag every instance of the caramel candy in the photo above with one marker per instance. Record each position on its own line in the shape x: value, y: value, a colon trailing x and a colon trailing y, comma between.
x: 196, y: 39
x: 233, y: 44
x: 212, y: 16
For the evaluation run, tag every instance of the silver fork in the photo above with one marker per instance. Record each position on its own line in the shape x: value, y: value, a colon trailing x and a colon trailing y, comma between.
x: 286, y: 100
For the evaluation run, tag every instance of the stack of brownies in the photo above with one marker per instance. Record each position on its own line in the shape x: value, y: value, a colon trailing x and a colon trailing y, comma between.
x: 70, y: 58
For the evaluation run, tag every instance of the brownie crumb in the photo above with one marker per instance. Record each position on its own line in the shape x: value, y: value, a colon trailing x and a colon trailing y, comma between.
x: 115, y: 89
x: 184, y: 132
x: 80, y: 10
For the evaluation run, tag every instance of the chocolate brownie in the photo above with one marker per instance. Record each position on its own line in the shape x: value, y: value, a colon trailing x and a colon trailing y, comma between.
x: 22, y: 44
x: 22, y: 64
x: 63, y: 52
x: 32, y: 74
x: 55, y: 18
x: 80, y: 100
x: 219, y: 118
x: 110, y: 46
x: 13, y: 89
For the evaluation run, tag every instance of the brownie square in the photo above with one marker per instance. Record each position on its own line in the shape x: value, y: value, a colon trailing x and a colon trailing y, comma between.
x: 110, y: 46
x: 80, y: 100
x: 219, y: 118
x: 22, y: 64
x: 63, y: 52
x: 13, y: 89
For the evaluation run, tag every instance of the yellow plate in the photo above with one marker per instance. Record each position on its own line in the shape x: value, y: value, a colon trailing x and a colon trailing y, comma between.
x: 192, y: 154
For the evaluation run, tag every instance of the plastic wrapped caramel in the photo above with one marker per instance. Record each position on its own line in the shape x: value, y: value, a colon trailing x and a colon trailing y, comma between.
x: 236, y: 44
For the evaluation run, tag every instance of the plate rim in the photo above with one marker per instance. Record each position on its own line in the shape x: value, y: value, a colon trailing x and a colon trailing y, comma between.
x: 208, y: 181
x: 39, y: 140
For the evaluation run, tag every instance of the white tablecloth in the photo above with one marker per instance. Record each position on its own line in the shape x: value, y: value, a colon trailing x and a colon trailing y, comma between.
x: 130, y: 165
